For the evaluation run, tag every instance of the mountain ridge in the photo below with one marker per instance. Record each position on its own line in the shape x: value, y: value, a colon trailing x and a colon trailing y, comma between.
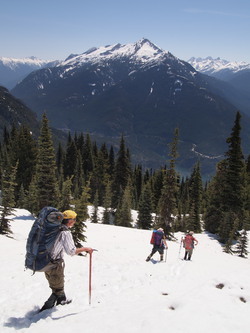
x: 140, y: 91
x: 13, y: 70
x: 211, y: 66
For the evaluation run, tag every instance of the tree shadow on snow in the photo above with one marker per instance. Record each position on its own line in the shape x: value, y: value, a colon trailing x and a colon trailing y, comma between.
x: 211, y: 236
x: 24, y: 217
x: 31, y: 317
x: 216, y: 237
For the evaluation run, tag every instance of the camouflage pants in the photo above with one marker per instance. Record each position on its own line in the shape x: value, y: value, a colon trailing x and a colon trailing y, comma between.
x: 54, y: 273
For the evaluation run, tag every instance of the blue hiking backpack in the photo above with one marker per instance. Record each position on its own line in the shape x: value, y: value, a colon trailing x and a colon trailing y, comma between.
x: 42, y: 237
x: 156, y: 238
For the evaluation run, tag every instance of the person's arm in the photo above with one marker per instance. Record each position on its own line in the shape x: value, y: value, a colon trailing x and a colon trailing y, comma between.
x: 69, y: 246
x: 83, y: 249
x: 165, y: 242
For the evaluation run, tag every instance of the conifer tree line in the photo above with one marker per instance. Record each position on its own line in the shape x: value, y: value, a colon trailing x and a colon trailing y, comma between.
x: 34, y: 174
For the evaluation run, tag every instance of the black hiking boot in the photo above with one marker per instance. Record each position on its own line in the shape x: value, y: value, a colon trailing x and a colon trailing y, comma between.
x: 61, y: 299
x: 148, y: 258
x: 51, y: 301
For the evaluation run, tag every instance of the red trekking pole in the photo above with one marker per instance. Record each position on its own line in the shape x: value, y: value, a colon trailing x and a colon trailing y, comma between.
x: 90, y: 276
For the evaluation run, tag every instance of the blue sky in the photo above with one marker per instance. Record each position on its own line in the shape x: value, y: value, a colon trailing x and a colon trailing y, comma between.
x: 53, y: 29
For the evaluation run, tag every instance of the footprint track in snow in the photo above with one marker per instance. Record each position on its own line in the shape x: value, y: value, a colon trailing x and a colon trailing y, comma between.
x: 176, y: 269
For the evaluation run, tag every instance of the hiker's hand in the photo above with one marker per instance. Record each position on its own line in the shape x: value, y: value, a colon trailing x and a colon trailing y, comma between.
x: 84, y: 249
x: 88, y: 250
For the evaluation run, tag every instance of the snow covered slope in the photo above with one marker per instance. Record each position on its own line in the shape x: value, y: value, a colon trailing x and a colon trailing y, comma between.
x: 129, y: 295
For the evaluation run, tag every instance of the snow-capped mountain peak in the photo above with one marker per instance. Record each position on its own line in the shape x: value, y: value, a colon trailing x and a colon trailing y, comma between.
x: 143, y: 51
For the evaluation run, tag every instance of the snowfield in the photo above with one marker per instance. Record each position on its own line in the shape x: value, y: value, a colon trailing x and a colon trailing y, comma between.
x: 210, y: 294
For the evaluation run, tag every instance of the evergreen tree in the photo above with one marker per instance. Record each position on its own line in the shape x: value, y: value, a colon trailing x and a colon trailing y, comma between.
x: 226, y: 193
x: 82, y: 215
x: 122, y: 173
x: 60, y: 158
x: 167, y: 207
x: 107, y: 204
x: 145, y: 220
x: 234, y: 185
x: 228, y: 227
x: 99, y: 177
x: 82, y: 204
x: 195, y: 196
x: 66, y: 195
x: 242, y: 245
x: 247, y: 179
x: 216, y: 199
x: 138, y: 183
x: 25, y: 153
x: 31, y: 200
x: 78, y: 179
x: 184, y: 200
x: 8, y: 199
x: 21, y: 148
x: 94, y: 216
x: 79, y: 141
x: 6, y: 136
x: 87, y: 156
x: 111, y: 163
x: 47, y: 189
x: 236, y: 164
x: 123, y: 213
x: 156, y: 187
x: 21, y: 197
x: 78, y: 233
x: 70, y: 158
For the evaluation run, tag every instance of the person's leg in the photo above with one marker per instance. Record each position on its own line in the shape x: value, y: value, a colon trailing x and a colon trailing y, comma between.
x: 161, y: 251
x: 55, y: 277
x: 152, y: 253
x: 186, y: 253
x: 190, y: 254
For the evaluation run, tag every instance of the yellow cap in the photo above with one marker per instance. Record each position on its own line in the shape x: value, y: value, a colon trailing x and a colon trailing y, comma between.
x: 69, y: 214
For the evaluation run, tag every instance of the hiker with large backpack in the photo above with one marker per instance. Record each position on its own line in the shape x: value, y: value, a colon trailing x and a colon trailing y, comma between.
x: 188, y: 243
x: 48, y: 239
x: 158, y: 240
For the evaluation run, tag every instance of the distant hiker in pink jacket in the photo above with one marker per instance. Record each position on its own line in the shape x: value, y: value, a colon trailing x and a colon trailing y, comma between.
x: 188, y: 243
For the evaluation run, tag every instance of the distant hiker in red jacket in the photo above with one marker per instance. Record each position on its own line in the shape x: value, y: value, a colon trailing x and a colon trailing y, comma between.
x: 158, y: 240
x: 188, y: 243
